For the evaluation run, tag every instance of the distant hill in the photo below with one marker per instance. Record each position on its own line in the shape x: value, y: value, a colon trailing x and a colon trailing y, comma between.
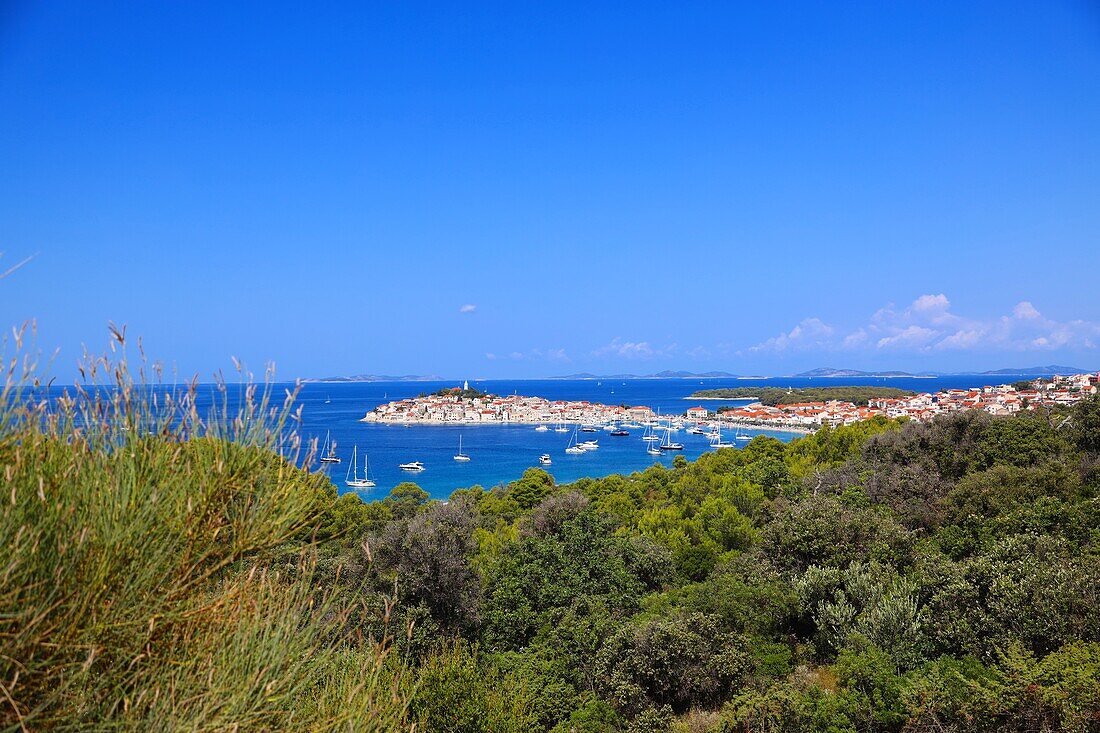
x: 381, y: 378
x: 780, y: 396
x: 1040, y: 370
x: 832, y: 372
x: 667, y: 374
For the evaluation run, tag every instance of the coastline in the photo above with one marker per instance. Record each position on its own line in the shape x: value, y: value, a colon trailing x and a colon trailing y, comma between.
x: 722, y: 399
x: 733, y: 423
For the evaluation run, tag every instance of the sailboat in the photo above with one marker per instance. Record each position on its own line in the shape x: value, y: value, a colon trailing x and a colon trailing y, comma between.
x: 668, y: 444
x: 574, y: 448
x: 328, y: 452
x: 716, y: 437
x: 460, y: 456
x: 561, y: 428
x: 651, y: 439
x: 352, y: 479
x: 741, y: 435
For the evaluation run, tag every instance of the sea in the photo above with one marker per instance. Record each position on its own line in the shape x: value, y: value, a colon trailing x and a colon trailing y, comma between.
x: 501, y: 453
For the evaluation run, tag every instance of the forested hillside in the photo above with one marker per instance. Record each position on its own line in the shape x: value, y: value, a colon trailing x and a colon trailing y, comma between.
x: 883, y: 576
x: 771, y: 396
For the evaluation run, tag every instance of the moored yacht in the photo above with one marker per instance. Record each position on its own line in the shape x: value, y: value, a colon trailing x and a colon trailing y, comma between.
x: 460, y: 456
x: 412, y: 466
x: 328, y: 452
x: 574, y: 448
x: 545, y: 459
x: 352, y: 479
x: 668, y: 444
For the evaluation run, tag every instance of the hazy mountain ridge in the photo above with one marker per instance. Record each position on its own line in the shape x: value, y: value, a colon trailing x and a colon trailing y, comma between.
x: 667, y: 374
x: 1012, y: 371
x: 380, y: 378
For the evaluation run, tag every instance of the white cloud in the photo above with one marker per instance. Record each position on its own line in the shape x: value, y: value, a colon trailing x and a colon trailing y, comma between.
x: 633, y: 349
x: 929, y: 324
x: 810, y: 333
x: 1025, y: 310
x: 468, y: 308
x: 912, y: 336
x: 531, y: 355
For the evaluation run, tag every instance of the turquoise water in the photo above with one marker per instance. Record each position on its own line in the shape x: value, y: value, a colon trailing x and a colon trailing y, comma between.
x: 501, y: 453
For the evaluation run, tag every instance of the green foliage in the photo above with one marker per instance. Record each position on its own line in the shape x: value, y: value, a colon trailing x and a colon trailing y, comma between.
x: 157, y: 572
x: 456, y: 694
x: 1083, y: 430
x: 779, y: 396
x: 581, y: 557
x: 405, y: 499
x: 534, y: 486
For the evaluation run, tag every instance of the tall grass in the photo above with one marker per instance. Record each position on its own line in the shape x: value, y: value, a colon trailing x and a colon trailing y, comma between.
x: 137, y: 584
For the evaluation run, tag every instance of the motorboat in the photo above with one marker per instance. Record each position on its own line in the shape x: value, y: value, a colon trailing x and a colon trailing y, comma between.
x: 545, y: 460
x: 412, y: 466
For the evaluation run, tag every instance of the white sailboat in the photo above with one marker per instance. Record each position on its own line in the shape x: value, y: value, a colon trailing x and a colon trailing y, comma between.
x: 716, y: 439
x: 668, y: 443
x: 328, y: 452
x: 651, y: 439
x: 352, y: 479
x: 574, y: 448
x: 460, y: 456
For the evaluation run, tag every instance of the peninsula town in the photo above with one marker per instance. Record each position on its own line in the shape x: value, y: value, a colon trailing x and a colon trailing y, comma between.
x: 464, y: 406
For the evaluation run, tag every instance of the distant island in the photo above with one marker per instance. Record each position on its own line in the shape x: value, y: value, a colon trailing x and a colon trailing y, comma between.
x: 1049, y: 370
x: 1040, y: 370
x: 380, y: 378
x: 833, y: 372
x: 667, y: 374
x: 772, y: 396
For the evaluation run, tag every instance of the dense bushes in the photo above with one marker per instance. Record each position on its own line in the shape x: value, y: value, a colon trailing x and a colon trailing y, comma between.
x: 154, y: 578
x: 881, y: 577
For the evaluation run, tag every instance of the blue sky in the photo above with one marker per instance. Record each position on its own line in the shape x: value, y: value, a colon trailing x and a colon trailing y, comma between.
x: 521, y: 189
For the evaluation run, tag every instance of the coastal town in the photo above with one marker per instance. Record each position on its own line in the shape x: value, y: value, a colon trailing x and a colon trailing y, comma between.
x: 469, y: 407
x: 1004, y: 399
